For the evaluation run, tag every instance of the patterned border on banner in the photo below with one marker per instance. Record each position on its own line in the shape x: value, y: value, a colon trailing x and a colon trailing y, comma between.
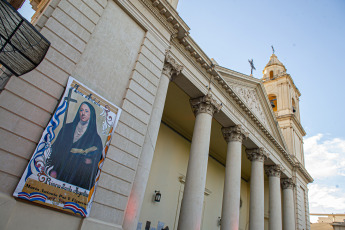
x: 38, y: 183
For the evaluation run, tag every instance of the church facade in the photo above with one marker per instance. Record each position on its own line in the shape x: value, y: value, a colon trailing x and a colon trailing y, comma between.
x: 197, y: 145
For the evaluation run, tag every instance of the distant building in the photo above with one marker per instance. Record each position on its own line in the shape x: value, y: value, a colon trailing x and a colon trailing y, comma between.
x: 198, y: 146
x: 328, y: 222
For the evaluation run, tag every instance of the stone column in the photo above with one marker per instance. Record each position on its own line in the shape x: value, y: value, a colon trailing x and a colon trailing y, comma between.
x: 170, y: 69
x: 288, y: 205
x: 257, y: 206
x: 273, y: 172
x: 193, y: 195
x: 231, y: 196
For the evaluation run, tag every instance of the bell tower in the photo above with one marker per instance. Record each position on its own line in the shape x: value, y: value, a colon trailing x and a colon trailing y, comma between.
x: 284, y: 98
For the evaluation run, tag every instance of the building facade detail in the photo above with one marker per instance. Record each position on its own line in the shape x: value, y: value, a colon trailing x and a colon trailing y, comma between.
x: 287, y: 183
x: 158, y: 139
x: 258, y: 154
x: 234, y: 133
x: 250, y: 98
x: 205, y: 104
x: 171, y: 68
x: 273, y: 170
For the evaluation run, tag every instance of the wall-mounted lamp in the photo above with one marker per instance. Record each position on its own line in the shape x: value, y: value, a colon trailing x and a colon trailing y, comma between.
x: 219, y: 221
x: 158, y: 196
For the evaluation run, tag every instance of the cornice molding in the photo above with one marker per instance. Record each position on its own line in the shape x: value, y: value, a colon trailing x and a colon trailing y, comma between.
x: 298, y: 166
x: 168, y: 17
x: 285, y: 76
x: 293, y: 118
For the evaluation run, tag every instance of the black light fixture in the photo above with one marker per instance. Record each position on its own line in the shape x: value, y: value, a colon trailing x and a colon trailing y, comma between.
x: 158, y: 196
x: 22, y: 47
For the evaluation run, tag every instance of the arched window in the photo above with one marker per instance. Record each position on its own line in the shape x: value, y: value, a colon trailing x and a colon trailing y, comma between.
x: 273, y: 101
x: 271, y: 74
x: 294, y: 109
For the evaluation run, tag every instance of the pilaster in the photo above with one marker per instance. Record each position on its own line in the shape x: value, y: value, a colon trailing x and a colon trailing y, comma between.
x: 171, y: 68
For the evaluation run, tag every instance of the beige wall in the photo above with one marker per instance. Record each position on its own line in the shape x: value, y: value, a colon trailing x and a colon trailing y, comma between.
x: 99, y: 44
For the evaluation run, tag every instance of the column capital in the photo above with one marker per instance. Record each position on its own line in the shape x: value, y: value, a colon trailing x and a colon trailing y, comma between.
x: 205, y: 104
x: 258, y: 154
x: 171, y: 67
x: 287, y: 183
x: 273, y: 170
x: 234, y: 133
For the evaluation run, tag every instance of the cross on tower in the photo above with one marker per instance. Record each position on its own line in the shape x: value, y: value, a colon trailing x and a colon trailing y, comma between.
x: 272, y: 49
x: 251, y: 62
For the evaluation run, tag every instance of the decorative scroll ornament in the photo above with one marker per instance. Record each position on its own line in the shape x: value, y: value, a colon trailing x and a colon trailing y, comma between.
x: 273, y: 170
x: 171, y: 67
x: 258, y: 154
x: 234, y: 133
x: 205, y: 104
x: 287, y: 183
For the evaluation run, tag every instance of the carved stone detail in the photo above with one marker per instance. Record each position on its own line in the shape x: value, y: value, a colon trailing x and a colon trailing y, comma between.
x: 287, y: 183
x: 273, y: 170
x: 171, y: 67
x: 234, y: 133
x: 258, y: 154
x: 250, y: 98
x: 205, y: 104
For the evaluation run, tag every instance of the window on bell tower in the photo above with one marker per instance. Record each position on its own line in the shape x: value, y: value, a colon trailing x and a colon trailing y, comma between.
x: 271, y: 74
x: 273, y: 101
x: 293, y: 106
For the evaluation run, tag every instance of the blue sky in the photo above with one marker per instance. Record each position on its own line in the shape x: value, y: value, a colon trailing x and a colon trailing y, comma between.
x: 308, y: 37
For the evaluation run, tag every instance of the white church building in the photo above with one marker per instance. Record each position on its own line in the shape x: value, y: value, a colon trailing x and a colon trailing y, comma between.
x: 197, y: 145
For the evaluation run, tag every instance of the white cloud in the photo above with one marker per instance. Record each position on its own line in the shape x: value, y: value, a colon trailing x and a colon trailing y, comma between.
x: 325, y: 161
x: 326, y: 199
x: 324, y: 158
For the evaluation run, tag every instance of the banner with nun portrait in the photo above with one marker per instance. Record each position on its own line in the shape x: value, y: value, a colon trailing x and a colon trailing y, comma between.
x: 66, y: 165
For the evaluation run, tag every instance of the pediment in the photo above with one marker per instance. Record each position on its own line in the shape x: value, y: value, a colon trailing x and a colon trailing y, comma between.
x: 252, y: 93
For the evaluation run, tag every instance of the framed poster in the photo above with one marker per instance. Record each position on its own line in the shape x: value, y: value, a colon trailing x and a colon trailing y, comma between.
x: 66, y: 165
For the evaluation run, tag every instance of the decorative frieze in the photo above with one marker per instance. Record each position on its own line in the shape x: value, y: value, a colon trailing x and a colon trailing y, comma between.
x: 287, y: 183
x: 205, y: 104
x: 171, y: 67
x: 258, y: 154
x: 250, y: 98
x: 273, y: 170
x: 234, y: 133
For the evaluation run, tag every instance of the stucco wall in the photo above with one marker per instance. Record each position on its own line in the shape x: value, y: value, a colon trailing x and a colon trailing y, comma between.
x: 101, y: 45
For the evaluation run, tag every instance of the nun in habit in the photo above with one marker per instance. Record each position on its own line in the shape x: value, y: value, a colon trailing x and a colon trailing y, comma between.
x: 77, y: 150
